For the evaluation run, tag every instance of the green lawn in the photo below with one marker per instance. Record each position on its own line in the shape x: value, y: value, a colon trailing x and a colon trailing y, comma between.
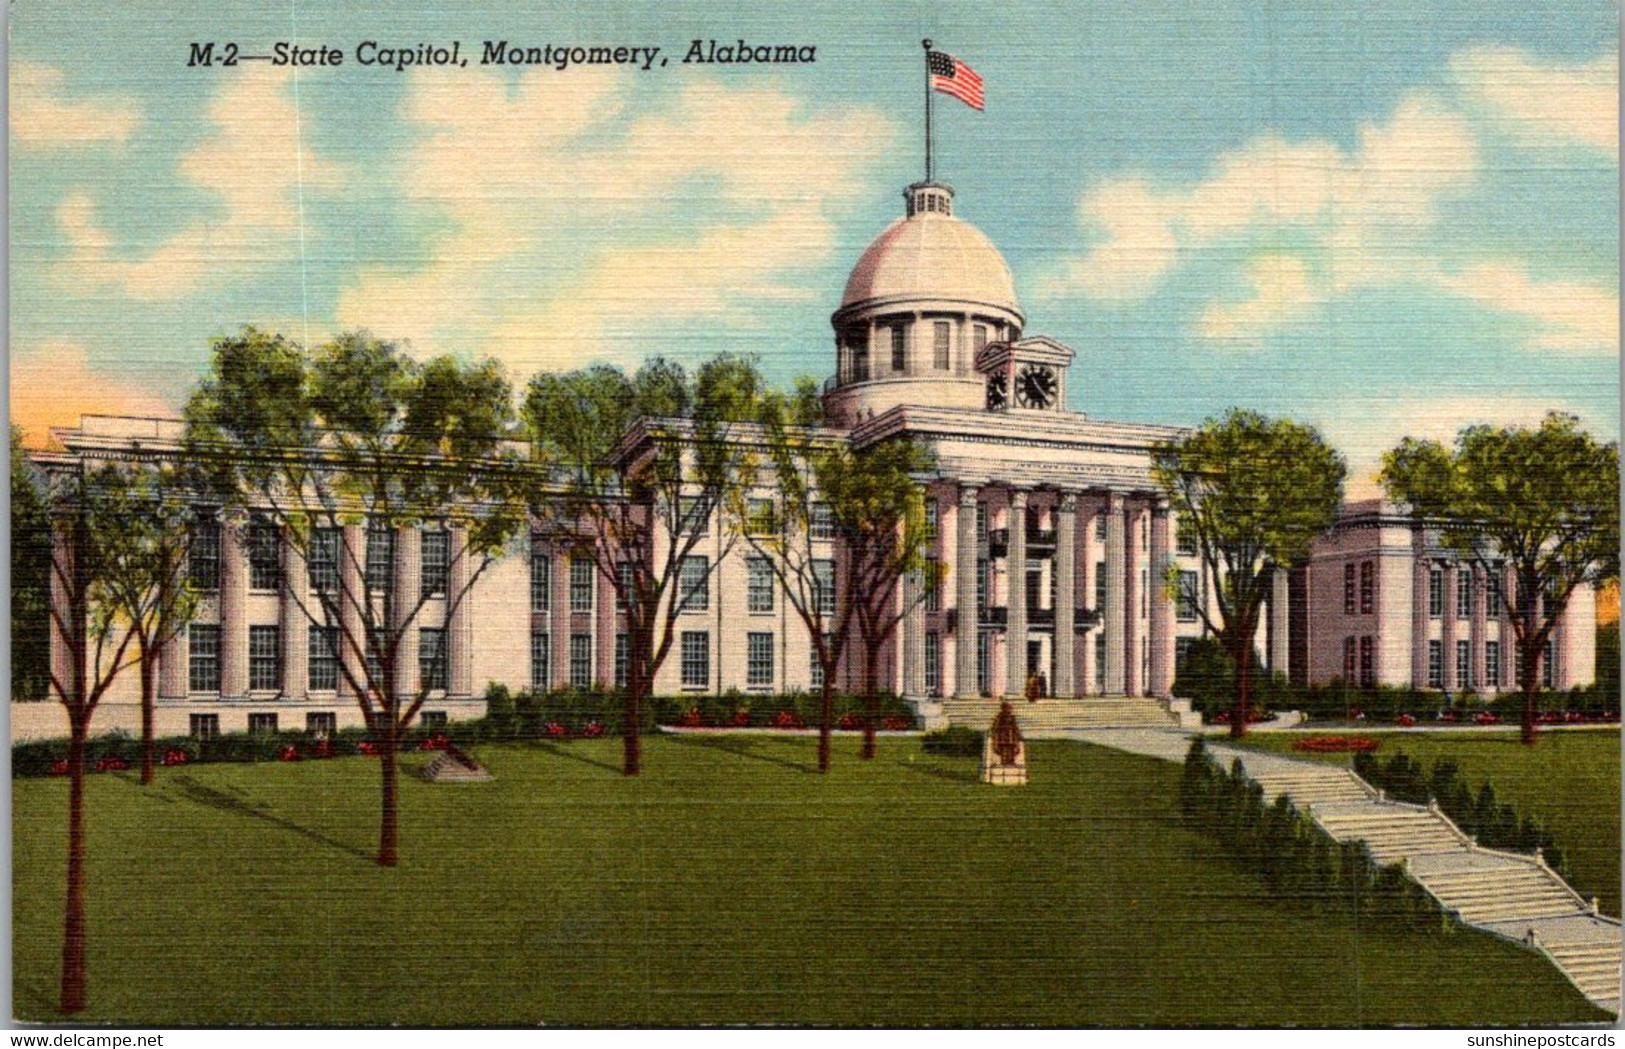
x: 1569, y: 781
x: 728, y: 884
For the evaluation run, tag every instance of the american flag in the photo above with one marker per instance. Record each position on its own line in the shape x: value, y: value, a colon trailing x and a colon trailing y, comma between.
x: 953, y: 77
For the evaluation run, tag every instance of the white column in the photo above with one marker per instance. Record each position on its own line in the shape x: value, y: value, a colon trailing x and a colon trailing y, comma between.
x: 353, y: 597
x: 293, y: 600
x: 405, y: 594
x: 1420, y: 576
x: 1132, y: 681
x: 1085, y: 684
x: 1066, y: 556
x: 460, y: 624
x: 1447, y: 631
x: 965, y: 616
x: 1016, y: 602
x: 1162, y: 605
x: 1115, y: 596
x: 174, y: 672
x: 560, y: 621
x: 1279, y: 619
x: 913, y: 636
x: 233, y: 611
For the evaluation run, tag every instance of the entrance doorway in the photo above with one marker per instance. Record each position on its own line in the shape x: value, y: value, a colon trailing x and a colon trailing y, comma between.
x: 1035, y: 663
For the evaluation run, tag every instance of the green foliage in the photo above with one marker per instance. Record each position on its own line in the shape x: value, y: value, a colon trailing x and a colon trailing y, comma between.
x: 30, y: 580
x: 1208, y: 679
x: 1300, y: 863
x: 956, y: 741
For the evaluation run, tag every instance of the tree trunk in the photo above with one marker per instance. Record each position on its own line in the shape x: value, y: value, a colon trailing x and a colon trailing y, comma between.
x: 388, y: 831
x: 73, y: 924
x: 1531, y: 671
x: 870, y: 699
x: 826, y: 723
x: 149, y: 689
x: 1244, y: 688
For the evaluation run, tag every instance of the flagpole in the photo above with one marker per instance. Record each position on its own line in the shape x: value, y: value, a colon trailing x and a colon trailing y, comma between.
x: 927, y: 45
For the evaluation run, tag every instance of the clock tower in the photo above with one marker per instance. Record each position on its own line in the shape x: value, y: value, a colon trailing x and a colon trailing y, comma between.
x: 1026, y: 375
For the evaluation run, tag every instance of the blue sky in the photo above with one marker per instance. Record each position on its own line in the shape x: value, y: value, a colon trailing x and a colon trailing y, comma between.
x: 1383, y: 218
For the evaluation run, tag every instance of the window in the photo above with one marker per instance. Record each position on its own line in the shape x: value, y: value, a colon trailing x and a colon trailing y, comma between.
x: 1100, y: 525
x: 1185, y: 609
x: 264, y: 557
x: 1464, y: 593
x: 695, y: 659
x: 760, y: 518
x: 262, y: 724
x: 1464, y: 664
x: 541, y: 651
x: 623, y: 654
x: 933, y: 584
x: 1492, y: 664
x: 858, y: 339
x: 431, y: 659
x: 203, y: 663
x: 380, y: 558
x: 1184, y: 536
x: 321, y: 723
x: 1435, y: 593
x: 1547, y: 661
x: 541, y: 578
x: 1435, y: 664
x: 933, y: 663
x: 823, y: 573
x: 1368, y: 675
x: 375, y: 662
x: 324, y: 658
x: 1492, y: 595
x: 264, y: 659
x: 693, y: 516
x: 899, y: 348
x: 981, y: 520
x: 1100, y: 663
x: 1100, y: 586
x: 984, y: 662
x: 580, y: 660
x: 205, y: 726
x: 978, y: 336
x: 758, y: 584
x: 1349, y: 644
x: 436, y: 559
x: 759, y: 660
x: 815, y: 677
x: 941, y: 338
x: 1348, y: 589
x: 931, y: 516
x: 581, y: 580
x: 821, y: 521
x: 203, y: 554
x: 432, y: 719
x: 626, y: 586
x: 694, y: 584
x: 982, y: 583
x: 1182, y: 652
x: 1368, y: 588
x: 323, y: 559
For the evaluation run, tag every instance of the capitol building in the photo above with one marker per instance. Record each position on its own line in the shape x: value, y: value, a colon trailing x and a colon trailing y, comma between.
x: 1054, y: 537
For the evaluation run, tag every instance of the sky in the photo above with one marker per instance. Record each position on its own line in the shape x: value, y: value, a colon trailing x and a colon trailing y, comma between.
x: 1382, y: 218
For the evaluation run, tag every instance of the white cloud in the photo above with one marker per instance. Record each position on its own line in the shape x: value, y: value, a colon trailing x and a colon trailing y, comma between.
x: 1570, y: 315
x: 1542, y: 102
x: 53, y: 384
x: 42, y: 116
x: 581, y: 237
x: 254, y: 164
x: 1281, y: 292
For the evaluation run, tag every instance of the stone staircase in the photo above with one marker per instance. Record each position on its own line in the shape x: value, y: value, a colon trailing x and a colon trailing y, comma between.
x: 1055, y: 718
x: 1510, y: 895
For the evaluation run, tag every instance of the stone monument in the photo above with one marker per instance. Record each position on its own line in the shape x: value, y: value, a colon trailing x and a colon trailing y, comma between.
x: 1004, y: 752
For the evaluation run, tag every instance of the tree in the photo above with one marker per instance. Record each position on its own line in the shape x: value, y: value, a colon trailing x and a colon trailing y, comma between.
x: 639, y: 467
x: 30, y: 579
x: 794, y: 543
x: 146, y: 583
x: 878, y: 507
x: 313, y: 448
x: 1255, y: 492
x: 1543, y: 501
x: 85, y: 508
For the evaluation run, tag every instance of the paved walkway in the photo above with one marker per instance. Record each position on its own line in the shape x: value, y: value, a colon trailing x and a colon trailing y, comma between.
x: 1511, y: 895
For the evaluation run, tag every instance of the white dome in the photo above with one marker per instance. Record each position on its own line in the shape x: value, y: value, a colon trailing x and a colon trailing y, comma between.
x: 929, y: 255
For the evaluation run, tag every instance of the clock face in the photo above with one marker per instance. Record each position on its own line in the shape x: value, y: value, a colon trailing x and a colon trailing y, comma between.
x: 1036, y: 386
x: 997, y: 394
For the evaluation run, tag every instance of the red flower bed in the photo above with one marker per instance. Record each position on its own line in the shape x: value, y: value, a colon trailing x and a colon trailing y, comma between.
x: 593, y: 730
x: 896, y: 723
x: 288, y: 753
x: 438, y: 741
x: 322, y: 749
x: 176, y: 756
x: 849, y: 722
x: 1487, y: 718
x: 59, y: 767
x: 554, y: 730
x: 787, y: 719
x: 741, y: 719
x: 1406, y: 721
x: 693, y: 719
x: 1336, y: 744
x: 368, y: 747
x: 111, y: 763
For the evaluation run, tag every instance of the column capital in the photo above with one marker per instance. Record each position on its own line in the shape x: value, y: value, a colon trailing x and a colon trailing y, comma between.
x: 1161, y: 507
x: 969, y: 492
x: 1067, y: 502
x: 1115, y: 500
x: 1018, y: 495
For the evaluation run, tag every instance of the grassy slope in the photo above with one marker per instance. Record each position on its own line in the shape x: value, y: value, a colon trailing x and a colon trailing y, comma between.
x: 726, y: 885
x: 1569, y: 781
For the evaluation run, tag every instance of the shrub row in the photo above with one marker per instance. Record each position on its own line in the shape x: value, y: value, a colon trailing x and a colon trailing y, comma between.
x: 1479, y: 813
x: 120, y: 751
x: 956, y: 741
x: 1300, y: 863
